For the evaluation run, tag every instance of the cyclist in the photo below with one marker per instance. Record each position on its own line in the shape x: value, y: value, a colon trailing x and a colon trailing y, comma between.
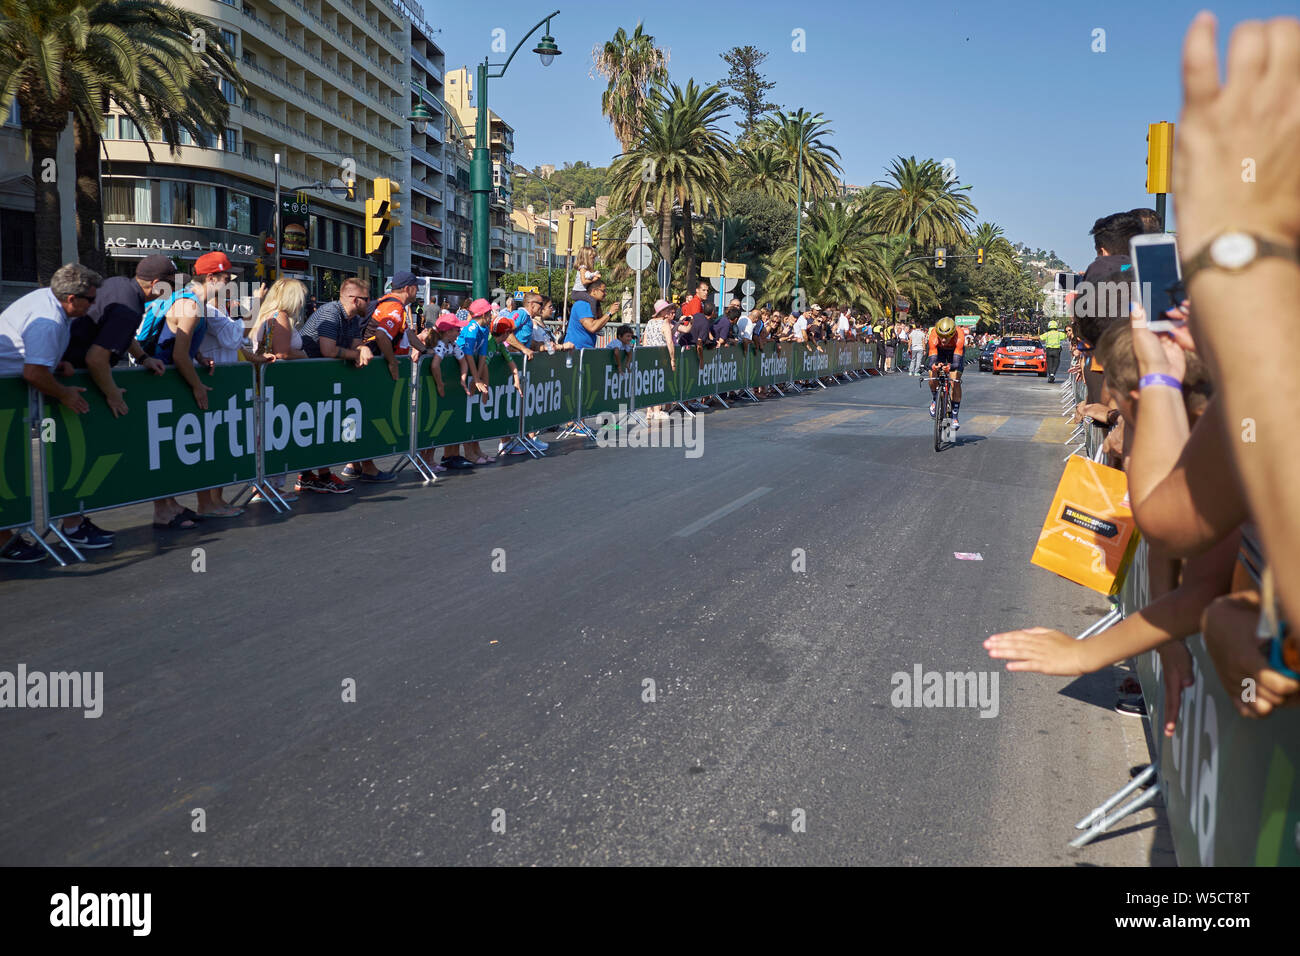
x: 1053, y: 339
x: 947, y: 350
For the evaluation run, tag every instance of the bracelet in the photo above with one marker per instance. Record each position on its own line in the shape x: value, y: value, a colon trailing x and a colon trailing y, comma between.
x: 1158, y: 379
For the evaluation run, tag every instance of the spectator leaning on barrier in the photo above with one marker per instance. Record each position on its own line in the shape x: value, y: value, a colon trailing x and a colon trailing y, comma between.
x: 34, y: 334
x: 473, y: 342
x: 659, y: 334
x: 621, y: 346
x: 335, y: 331
x: 442, y: 345
x: 585, y: 319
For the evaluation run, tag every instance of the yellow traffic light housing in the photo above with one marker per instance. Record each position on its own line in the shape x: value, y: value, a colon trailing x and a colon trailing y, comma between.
x: 940, y: 256
x: 380, y: 218
x: 1160, y: 157
x: 979, y: 257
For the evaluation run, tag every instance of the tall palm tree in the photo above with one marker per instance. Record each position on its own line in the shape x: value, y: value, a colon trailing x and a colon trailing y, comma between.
x: 834, y: 257
x: 925, y: 204
x: 997, y: 250
x: 679, y: 161
x: 61, y: 57
x: 634, y: 66
x: 761, y: 168
x: 801, y: 139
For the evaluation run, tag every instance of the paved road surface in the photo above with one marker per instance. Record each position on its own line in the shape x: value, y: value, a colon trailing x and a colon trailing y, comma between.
x: 523, y: 690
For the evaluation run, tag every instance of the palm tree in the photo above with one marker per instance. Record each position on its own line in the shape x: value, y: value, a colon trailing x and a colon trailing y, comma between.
x: 924, y: 204
x: 800, y: 138
x: 69, y: 56
x: 834, y: 257
x: 763, y: 169
x: 634, y: 66
x: 678, y: 161
x: 997, y: 250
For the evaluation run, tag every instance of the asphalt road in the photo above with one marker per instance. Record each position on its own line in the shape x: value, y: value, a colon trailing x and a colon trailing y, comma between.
x: 522, y: 691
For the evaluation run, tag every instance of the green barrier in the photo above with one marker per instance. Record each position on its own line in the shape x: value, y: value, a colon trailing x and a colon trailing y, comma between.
x: 720, y: 371
x: 810, y: 364
x: 324, y: 412
x: 603, y: 389
x: 454, y: 417
x: 15, y: 453
x: 550, y: 389
x: 163, y: 446
x: 1229, y: 784
x: 654, y: 378
x: 773, y: 365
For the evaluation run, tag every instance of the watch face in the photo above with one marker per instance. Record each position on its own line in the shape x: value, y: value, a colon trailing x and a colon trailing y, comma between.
x: 1233, y: 250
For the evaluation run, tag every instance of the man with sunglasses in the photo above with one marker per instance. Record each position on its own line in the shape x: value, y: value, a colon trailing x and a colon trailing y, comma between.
x: 34, y: 334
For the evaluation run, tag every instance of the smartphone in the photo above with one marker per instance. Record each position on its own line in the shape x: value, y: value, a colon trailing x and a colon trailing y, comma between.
x: 1158, y: 277
x: 1064, y: 281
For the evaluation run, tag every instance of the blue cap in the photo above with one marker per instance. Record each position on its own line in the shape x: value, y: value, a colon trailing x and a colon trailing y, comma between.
x: 403, y: 279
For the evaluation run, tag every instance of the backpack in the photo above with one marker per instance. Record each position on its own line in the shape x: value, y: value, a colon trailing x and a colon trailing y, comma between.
x: 155, y: 320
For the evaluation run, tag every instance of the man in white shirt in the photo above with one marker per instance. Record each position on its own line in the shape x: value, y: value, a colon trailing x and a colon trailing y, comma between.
x: 842, y: 327
x: 917, y: 343
x: 800, y: 329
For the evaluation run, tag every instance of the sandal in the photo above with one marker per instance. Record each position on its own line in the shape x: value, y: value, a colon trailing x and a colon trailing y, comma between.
x: 228, y: 512
x: 178, y: 523
x: 191, y: 514
x: 484, y: 460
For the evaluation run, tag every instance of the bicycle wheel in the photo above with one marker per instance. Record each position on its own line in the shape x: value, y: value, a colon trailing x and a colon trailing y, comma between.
x: 940, y: 413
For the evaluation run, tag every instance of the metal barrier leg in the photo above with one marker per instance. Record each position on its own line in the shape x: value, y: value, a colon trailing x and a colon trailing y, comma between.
x: 1116, y: 797
x: 1128, y: 809
x: 1113, y: 616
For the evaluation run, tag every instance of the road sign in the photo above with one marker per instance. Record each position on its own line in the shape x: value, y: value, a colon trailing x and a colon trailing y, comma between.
x: 968, y: 320
x: 639, y: 235
x: 709, y: 270
x: 748, y: 287
x: 747, y: 302
x: 665, y: 272
x: 638, y: 257
x: 715, y: 281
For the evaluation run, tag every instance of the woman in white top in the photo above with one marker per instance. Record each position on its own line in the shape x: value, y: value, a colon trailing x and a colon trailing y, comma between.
x: 275, y: 335
x: 659, y: 334
x: 586, y: 269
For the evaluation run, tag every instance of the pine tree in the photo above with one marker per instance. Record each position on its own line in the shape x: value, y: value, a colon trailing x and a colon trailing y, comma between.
x: 749, y: 87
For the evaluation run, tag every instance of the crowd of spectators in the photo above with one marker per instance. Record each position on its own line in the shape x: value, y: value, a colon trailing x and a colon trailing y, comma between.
x: 1197, y: 418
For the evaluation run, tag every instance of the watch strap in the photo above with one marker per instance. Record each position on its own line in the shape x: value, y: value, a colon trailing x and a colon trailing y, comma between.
x: 1264, y: 249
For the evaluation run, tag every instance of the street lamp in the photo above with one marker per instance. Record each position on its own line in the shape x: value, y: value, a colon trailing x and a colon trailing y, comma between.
x: 420, y: 118
x: 480, y: 172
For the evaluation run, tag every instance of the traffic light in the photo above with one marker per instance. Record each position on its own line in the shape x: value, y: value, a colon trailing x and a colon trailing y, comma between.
x: 939, y: 255
x: 1160, y: 156
x: 380, y: 218
x: 595, y: 236
x: 979, y: 257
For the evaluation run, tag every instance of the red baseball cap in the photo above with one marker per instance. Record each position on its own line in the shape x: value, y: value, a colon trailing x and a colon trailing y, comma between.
x: 502, y: 326
x: 213, y: 263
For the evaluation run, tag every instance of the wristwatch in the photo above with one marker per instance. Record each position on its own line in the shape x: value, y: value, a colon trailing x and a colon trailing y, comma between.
x: 1235, y: 251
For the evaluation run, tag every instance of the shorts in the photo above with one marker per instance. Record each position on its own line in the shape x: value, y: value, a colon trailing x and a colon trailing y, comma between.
x: 958, y: 362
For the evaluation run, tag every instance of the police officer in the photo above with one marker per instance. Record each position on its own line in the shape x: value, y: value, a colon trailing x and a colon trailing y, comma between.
x: 1053, y: 339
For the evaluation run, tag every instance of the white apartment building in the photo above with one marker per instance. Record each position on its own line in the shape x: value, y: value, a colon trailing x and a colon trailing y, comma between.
x: 329, y: 90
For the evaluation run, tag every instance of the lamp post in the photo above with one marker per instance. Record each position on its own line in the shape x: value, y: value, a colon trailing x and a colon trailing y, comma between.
x: 480, y: 170
x: 798, y: 218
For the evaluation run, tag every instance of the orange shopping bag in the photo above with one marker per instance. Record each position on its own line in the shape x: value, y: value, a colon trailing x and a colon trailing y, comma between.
x: 1089, y: 535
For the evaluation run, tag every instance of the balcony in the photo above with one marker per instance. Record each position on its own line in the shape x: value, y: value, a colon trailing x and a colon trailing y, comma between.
x: 429, y: 66
x: 502, y: 138
x: 426, y: 157
x: 498, y: 240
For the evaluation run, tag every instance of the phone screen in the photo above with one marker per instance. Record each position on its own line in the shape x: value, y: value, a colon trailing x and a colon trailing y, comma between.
x: 1156, y: 267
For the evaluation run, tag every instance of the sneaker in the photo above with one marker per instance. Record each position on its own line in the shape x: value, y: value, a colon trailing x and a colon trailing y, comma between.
x: 516, y: 449
x: 22, y: 551
x: 955, y: 424
x: 1131, y: 707
x: 379, y: 477
x: 932, y: 409
x: 87, y: 523
x: 84, y: 537
x: 510, y: 447
x: 334, y: 484
x: 310, y: 482
x: 541, y: 444
x: 350, y: 472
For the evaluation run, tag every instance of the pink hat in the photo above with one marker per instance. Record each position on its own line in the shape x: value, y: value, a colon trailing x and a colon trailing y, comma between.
x: 662, y: 305
x: 480, y: 307
x: 446, y: 322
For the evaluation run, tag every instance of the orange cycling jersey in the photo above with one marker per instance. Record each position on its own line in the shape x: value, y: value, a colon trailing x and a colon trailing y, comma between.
x: 958, y: 343
x: 390, y: 318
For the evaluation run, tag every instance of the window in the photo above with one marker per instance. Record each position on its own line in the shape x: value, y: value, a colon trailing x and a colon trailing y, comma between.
x: 188, y: 204
x: 250, y: 58
x: 229, y: 42
x: 250, y: 150
x: 228, y: 90
x: 336, y: 244
x: 119, y: 200
x: 230, y: 141
x: 250, y: 104
x: 110, y: 127
x: 13, y: 119
x: 126, y: 129
x: 239, y: 212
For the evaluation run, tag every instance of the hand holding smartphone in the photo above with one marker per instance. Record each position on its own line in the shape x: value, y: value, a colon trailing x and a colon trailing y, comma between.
x: 1157, y: 277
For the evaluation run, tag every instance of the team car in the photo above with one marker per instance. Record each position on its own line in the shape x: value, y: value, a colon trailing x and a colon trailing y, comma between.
x: 1019, y: 354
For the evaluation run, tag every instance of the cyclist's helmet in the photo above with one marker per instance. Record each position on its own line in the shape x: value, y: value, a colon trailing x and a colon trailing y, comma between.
x: 945, y: 328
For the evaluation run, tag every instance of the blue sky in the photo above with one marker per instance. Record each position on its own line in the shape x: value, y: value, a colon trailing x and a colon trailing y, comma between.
x: 1051, y: 134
